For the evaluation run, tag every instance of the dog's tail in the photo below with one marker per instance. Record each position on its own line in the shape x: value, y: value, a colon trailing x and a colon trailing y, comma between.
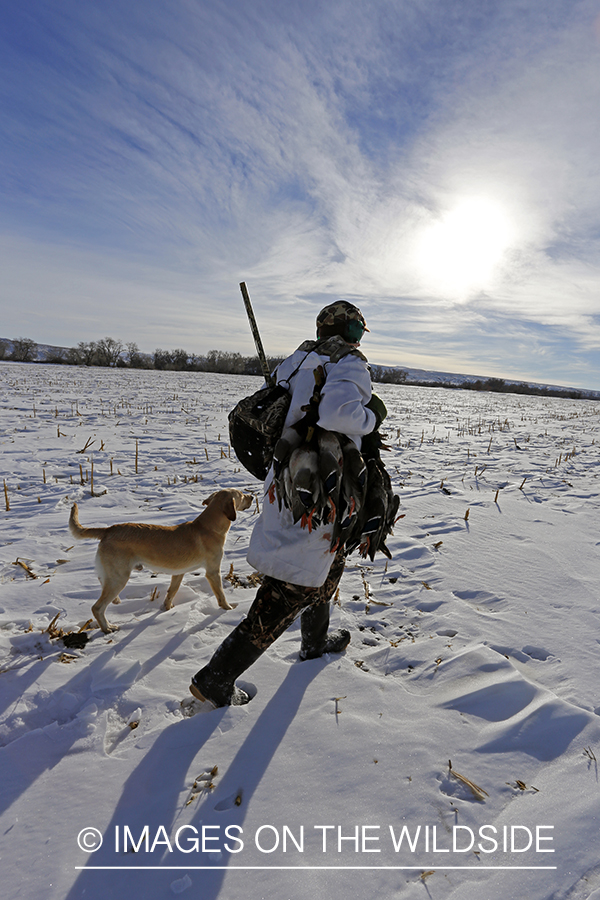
x: 78, y: 531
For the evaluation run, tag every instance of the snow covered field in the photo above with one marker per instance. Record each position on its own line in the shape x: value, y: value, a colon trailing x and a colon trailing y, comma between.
x: 479, y: 643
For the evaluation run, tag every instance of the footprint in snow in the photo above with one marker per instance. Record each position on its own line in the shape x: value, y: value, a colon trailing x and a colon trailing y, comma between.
x: 443, y: 527
x: 482, y: 600
x: 538, y: 653
x: 429, y: 605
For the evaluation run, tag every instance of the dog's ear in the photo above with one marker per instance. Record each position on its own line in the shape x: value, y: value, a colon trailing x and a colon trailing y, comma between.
x: 208, y: 500
x: 230, y: 510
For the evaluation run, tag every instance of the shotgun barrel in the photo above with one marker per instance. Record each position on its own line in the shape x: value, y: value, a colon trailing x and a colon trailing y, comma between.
x: 255, y: 334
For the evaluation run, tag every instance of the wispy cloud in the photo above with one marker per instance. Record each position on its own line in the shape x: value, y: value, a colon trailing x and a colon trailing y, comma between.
x: 154, y: 154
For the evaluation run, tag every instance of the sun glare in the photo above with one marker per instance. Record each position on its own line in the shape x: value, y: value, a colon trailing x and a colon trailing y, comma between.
x: 459, y: 253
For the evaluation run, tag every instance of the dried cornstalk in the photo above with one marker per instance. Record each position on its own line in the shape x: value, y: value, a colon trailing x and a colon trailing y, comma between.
x: 478, y: 792
x: 366, y: 585
x: 88, y: 443
x: 23, y: 565
x: 51, y: 630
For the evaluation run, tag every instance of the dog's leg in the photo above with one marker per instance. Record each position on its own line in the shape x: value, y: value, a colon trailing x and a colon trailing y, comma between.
x: 214, y: 579
x: 173, y: 588
x: 113, y: 579
x: 109, y: 592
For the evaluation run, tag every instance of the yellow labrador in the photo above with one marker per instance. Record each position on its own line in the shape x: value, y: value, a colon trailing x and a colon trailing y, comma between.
x: 173, y: 549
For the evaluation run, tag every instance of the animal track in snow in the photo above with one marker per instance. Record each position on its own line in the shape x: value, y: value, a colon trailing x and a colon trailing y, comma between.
x: 370, y: 641
x: 429, y: 605
x: 510, y: 652
x: 482, y: 600
x: 441, y: 527
x: 404, y: 551
x: 538, y: 653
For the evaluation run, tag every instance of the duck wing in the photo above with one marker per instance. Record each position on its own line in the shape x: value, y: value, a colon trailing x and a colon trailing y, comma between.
x: 331, y: 464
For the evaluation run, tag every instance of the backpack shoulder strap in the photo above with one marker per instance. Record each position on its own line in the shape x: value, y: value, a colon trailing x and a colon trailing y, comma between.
x: 336, y: 348
x: 307, y: 350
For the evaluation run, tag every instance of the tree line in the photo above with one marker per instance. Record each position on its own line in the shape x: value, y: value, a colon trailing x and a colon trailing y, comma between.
x: 112, y: 353
x: 496, y: 385
x: 109, y: 352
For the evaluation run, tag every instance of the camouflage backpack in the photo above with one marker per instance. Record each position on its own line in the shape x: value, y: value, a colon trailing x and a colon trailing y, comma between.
x: 256, y: 422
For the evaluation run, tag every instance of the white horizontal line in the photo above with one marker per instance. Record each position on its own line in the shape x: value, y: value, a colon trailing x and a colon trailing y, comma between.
x: 300, y: 868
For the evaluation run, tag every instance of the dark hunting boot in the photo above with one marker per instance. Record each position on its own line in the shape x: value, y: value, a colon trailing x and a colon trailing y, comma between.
x: 216, y: 681
x: 314, y: 623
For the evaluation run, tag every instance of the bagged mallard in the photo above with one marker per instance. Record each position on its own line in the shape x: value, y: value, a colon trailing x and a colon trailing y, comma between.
x: 376, y: 518
x: 331, y: 466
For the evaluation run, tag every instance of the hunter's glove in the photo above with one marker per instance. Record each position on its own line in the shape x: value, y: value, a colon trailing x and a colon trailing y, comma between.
x: 377, y: 406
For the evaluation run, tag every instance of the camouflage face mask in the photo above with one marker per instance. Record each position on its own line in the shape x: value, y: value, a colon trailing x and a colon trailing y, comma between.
x: 343, y: 319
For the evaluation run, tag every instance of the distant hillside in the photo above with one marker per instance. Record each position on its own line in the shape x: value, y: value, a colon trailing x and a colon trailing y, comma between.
x: 410, y: 376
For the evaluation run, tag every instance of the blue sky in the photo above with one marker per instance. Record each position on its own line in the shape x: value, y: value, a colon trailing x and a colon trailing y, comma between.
x: 436, y: 163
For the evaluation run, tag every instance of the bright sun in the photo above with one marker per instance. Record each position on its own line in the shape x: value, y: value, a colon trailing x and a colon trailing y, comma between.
x: 459, y: 253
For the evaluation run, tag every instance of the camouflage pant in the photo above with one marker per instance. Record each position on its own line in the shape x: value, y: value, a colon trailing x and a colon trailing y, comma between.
x: 278, y: 603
